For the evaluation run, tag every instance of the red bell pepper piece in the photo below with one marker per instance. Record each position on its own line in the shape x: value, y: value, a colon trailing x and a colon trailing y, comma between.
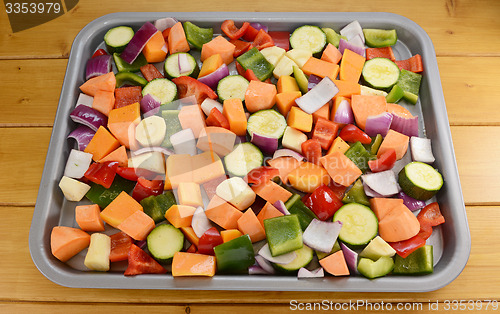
x: 210, y: 239
x: 262, y: 40
x: 99, y: 52
x: 414, y: 64
x: 323, y: 202
x: 250, y: 34
x: 351, y: 133
x: 191, y: 249
x: 325, y: 132
x: 216, y: 118
x: 240, y: 69
x: 139, y: 262
x: 425, y: 231
x: 385, y: 162
x: 338, y: 189
x: 102, y: 173
x: 406, y: 247
x: 385, y: 52
x: 188, y: 86
x: 281, y: 39
x: 241, y: 47
x: 311, y: 149
x: 145, y: 188
x: 120, y: 246
x: 261, y: 174
x: 133, y: 174
x: 232, y: 31
x: 431, y: 214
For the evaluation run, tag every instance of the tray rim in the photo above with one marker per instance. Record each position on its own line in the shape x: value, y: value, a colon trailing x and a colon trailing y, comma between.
x: 73, y: 278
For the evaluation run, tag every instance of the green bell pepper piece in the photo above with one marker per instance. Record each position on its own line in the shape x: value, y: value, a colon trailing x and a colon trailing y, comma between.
x: 296, y: 207
x: 359, y: 156
x: 235, y: 256
x: 255, y: 61
x: 173, y: 124
x: 410, y: 84
x: 419, y: 262
x: 130, y: 78
x: 156, y: 206
x: 103, y: 197
x: 356, y: 194
x: 395, y: 94
x: 196, y: 35
x: 124, y: 66
x: 283, y: 234
x: 375, y: 145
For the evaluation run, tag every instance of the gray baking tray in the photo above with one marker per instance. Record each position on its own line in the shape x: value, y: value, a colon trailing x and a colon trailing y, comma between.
x: 451, y: 241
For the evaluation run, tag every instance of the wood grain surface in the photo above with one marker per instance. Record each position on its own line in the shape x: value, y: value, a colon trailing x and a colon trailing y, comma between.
x: 33, y: 62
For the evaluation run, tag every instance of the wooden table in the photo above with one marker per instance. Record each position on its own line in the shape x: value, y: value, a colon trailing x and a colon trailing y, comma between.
x: 33, y: 63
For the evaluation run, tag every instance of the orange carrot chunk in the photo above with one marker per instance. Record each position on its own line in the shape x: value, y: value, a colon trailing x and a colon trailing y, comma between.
x: 218, y: 45
x: 223, y: 213
x: 193, y: 264
x: 320, y: 68
x: 364, y: 106
x: 177, y: 41
x: 260, y: 96
x: 88, y: 219
x: 138, y: 225
x: 272, y: 192
x: 66, y: 242
x: 120, y: 209
x: 351, y: 66
x: 331, y: 54
x: 335, y: 264
x: 340, y: 168
x: 154, y: 51
x: 101, y: 144
x: 249, y: 224
x: 398, y: 224
x: 105, y: 82
x: 235, y: 113
x: 268, y: 211
x: 395, y: 140
x: 104, y: 102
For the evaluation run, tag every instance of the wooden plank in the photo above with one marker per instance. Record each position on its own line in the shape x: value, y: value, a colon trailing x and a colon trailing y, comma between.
x: 21, y: 281
x: 470, y: 97
x: 477, y: 151
x: 456, y: 27
x: 461, y: 89
x: 31, y: 93
x: 63, y: 308
x: 22, y: 157
x: 24, y: 149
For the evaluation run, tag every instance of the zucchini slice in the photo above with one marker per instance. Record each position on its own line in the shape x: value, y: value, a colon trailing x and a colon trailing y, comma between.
x: 308, y: 37
x: 420, y: 181
x: 243, y: 158
x: 359, y: 224
x: 117, y: 38
x: 172, y: 66
x: 164, y: 241
x: 232, y: 86
x: 380, y: 73
x: 163, y: 89
x: 268, y: 123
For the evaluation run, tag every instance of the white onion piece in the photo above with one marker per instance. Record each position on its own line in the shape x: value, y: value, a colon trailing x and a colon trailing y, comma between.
x: 264, y: 264
x: 280, y: 259
x: 351, y: 30
x: 305, y: 273
x: 212, y: 79
x: 184, y: 142
x: 208, y: 104
x: 77, y: 164
x: 200, y: 222
x: 318, y: 96
x: 378, y: 124
x: 410, y: 202
x: 384, y: 183
x: 184, y: 65
x: 343, y: 44
x: 369, y: 192
x: 351, y: 257
x: 421, y: 150
x: 267, y: 144
x: 257, y: 270
x: 321, y: 235
x: 164, y: 23
x: 344, y: 114
x: 285, y: 152
x: 406, y: 126
x: 357, y: 41
x: 281, y: 207
x: 84, y: 100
